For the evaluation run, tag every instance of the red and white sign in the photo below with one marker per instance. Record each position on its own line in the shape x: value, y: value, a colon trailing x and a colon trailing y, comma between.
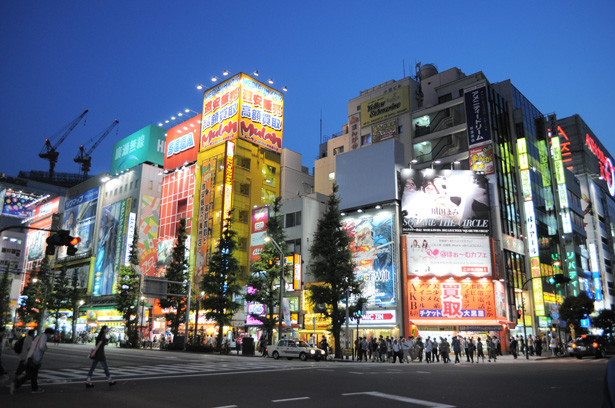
x: 377, y: 317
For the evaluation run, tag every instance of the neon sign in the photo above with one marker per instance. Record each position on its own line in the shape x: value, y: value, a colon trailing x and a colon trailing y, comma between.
x: 607, y: 172
x: 228, y: 179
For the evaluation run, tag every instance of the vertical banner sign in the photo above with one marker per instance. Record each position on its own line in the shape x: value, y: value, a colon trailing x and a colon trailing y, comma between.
x: 481, y: 159
x: 297, y: 273
x: 526, y: 186
x: 130, y: 234
x: 539, y: 304
x: 227, y: 199
x: 260, y: 216
x: 206, y: 197
x: 560, y: 179
x: 477, y: 115
x: 595, y: 269
x: 148, y: 234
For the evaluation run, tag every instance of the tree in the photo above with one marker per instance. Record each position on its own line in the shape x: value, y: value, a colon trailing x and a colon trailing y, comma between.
x: 75, y: 295
x: 34, y: 294
x: 177, y: 272
x: 334, y: 269
x: 5, y: 293
x: 606, y: 321
x: 57, y: 299
x: 265, y: 275
x: 575, y: 308
x: 221, y: 282
x: 127, y: 296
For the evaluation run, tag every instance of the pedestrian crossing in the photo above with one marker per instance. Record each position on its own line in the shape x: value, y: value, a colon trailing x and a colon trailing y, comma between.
x: 68, y: 375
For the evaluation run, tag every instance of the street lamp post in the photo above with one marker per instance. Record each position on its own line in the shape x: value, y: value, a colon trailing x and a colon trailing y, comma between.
x: 347, y: 320
x: 267, y: 239
x: 76, y: 316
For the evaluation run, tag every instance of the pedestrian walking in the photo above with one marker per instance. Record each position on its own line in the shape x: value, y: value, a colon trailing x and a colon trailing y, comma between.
x: 445, y: 350
x: 375, y: 352
x: 471, y: 348
x: 99, y: 357
x: 396, y: 350
x: 538, y: 345
x: 434, y: 351
x: 428, y: 347
x: 25, y: 348
x: 465, y: 344
x: 405, y: 350
x: 498, y: 345
x: 383, y: 350
x: 2, y: 335
x: 34, y: 360
x: 457, y: 349
x: 491, y: 350
x: 420, y: 346
x: 513, y: 346
x: 479, y: 351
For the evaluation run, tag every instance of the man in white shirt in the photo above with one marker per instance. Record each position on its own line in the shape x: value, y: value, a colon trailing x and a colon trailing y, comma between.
x: 34, y: 360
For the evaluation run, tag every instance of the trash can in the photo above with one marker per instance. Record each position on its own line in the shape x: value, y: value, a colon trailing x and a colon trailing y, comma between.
x: 247, y: 346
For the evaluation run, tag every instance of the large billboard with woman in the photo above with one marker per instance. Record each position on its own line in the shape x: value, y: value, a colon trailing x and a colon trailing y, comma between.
x: 444, y: 201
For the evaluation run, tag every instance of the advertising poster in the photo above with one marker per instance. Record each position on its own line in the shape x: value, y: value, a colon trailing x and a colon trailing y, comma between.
x: 259, y: 230
x: 46, y: 209
x: 477, y: 115
x: 83, y: 275
x: 108, y: 249
x: 145, y: 145
x: 481, y: 159
x: 384, y: 107
x: 384, y: 131
x: 36, y: 240
x: 15, y: 204
x: 458, y: 256
x: 148, y: 234
x: 242, y: 107
x: 453, y: 299
x: 80, y: 219
x: 165, y: 255
x: 372, y: 247
x: 206, y: 198
x: 444, y: 201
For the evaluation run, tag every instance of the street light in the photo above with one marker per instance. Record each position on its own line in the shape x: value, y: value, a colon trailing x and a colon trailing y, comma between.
x: 267, y: 239
x: 76, y: 315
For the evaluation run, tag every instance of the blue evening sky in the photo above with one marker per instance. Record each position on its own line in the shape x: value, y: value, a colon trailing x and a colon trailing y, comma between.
x: 139, y: 61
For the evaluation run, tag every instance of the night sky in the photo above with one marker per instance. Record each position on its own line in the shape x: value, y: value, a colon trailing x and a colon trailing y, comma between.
x: 139, y: 61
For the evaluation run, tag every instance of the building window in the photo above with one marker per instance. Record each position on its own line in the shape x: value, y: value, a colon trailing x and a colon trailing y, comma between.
x: 445, y: 98
x: 243, y: 217
x: 400, y: 129
x: 366, y: 139
x: 294, y: 246
x: 242, y: 244
x: 244, y: 189
x: 338, y: 150
x: 293, y: 219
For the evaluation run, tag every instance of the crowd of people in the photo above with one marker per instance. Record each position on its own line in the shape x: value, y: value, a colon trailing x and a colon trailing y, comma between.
x: 431, y: 349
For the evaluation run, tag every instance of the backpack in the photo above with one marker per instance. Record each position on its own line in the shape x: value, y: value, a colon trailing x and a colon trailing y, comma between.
x: 19, y: 345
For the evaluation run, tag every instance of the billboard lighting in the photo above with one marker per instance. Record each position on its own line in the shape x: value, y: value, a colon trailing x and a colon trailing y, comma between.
x: 270, y: 81
x: 190, y: 110
x: 225, y: 72
x: 342, y: 214
x: 215, y: 79
x: 254, y: 73
x: 359, y: 210
x: 378, y: 207
x: 199, y: 86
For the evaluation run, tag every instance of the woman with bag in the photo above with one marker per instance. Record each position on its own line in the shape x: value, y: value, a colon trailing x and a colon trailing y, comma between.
x: 98, y: 355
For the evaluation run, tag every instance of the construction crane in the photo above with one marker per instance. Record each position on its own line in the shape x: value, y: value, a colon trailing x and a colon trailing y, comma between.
x: 49, y: 152
x: 84, y: 157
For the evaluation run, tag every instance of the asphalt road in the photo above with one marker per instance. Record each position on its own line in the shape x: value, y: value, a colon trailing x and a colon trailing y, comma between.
x: 176, y: 379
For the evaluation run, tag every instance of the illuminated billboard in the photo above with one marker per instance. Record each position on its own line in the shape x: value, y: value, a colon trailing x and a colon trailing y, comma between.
x: 260, y: 216
x: 45, y: 210
x: 384, y: 107
x: 145, y: 145
x: 80, y: 219
x: 182, y: 143
x: 444, y: 201
x: 229, y: 173
x: 242, y: 107
x: 373, y: 252
x: 450, y: 299
x: 205, y: 210
x: 148, y: 234
x: 481, y: 159
x: 440, y: 256
x: 36, y: 240
x: 477, y: 115
x: 16, y: 203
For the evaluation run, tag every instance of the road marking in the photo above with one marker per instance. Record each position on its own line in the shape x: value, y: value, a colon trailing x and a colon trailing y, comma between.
x: 401, y: 399
x: 354, y: 372
x: 227, y: 406
x: 291, y: 399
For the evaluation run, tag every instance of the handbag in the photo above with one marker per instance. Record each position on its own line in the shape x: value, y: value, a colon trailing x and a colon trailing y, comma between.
x: 94, y: 350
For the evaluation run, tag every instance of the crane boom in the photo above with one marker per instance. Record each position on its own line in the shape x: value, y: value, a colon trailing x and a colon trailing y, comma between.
x: 49, y: 152
x: 84, y: 157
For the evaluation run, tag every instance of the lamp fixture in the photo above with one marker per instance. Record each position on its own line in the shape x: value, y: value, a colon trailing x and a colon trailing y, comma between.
x: 199, y: 86
x: 225, y: 72
x: 284, y: 89
x: 255, y: 73
x: 414, y: 161
x: 190, y: 110
x: 359, y: 210
x: 215, y: 78
x: 270, y: 81
x: 378, y: 207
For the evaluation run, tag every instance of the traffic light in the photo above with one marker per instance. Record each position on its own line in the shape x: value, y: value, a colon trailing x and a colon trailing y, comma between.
x: 518, y: 314
x: 62, y: 238
x: 559, y: 278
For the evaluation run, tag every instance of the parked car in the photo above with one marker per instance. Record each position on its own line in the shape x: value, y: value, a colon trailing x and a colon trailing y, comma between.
x: 295, y: 349
x: 588, y: 345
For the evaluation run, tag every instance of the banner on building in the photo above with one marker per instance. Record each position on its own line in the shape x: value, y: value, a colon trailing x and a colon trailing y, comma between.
x: 477, y: 115
x: 384, y: 107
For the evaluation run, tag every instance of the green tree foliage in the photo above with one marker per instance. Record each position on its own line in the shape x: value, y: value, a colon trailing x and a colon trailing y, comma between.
x: 58, y: 298
x: 575, y: 308
x: 264, y: 278
x: 75, y: 296
x: 35, y: 290
x: 221, y: 282
x: 334, y: 268
x: 5, y: 293
x: 127, y: 296
x: 177, y: 272
x: 606, y: 321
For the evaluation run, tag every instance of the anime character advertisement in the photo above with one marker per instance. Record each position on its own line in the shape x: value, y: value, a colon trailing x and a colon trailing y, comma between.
x: 36, y: 240
x: 372, y: 246
x: 444, y: 201
x: 466, y: 299
x: 108, y: 234
x: 148, y: 234
x: 80, y: 219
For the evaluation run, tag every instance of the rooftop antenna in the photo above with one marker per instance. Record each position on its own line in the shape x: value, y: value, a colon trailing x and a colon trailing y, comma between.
x: 403, y: 62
